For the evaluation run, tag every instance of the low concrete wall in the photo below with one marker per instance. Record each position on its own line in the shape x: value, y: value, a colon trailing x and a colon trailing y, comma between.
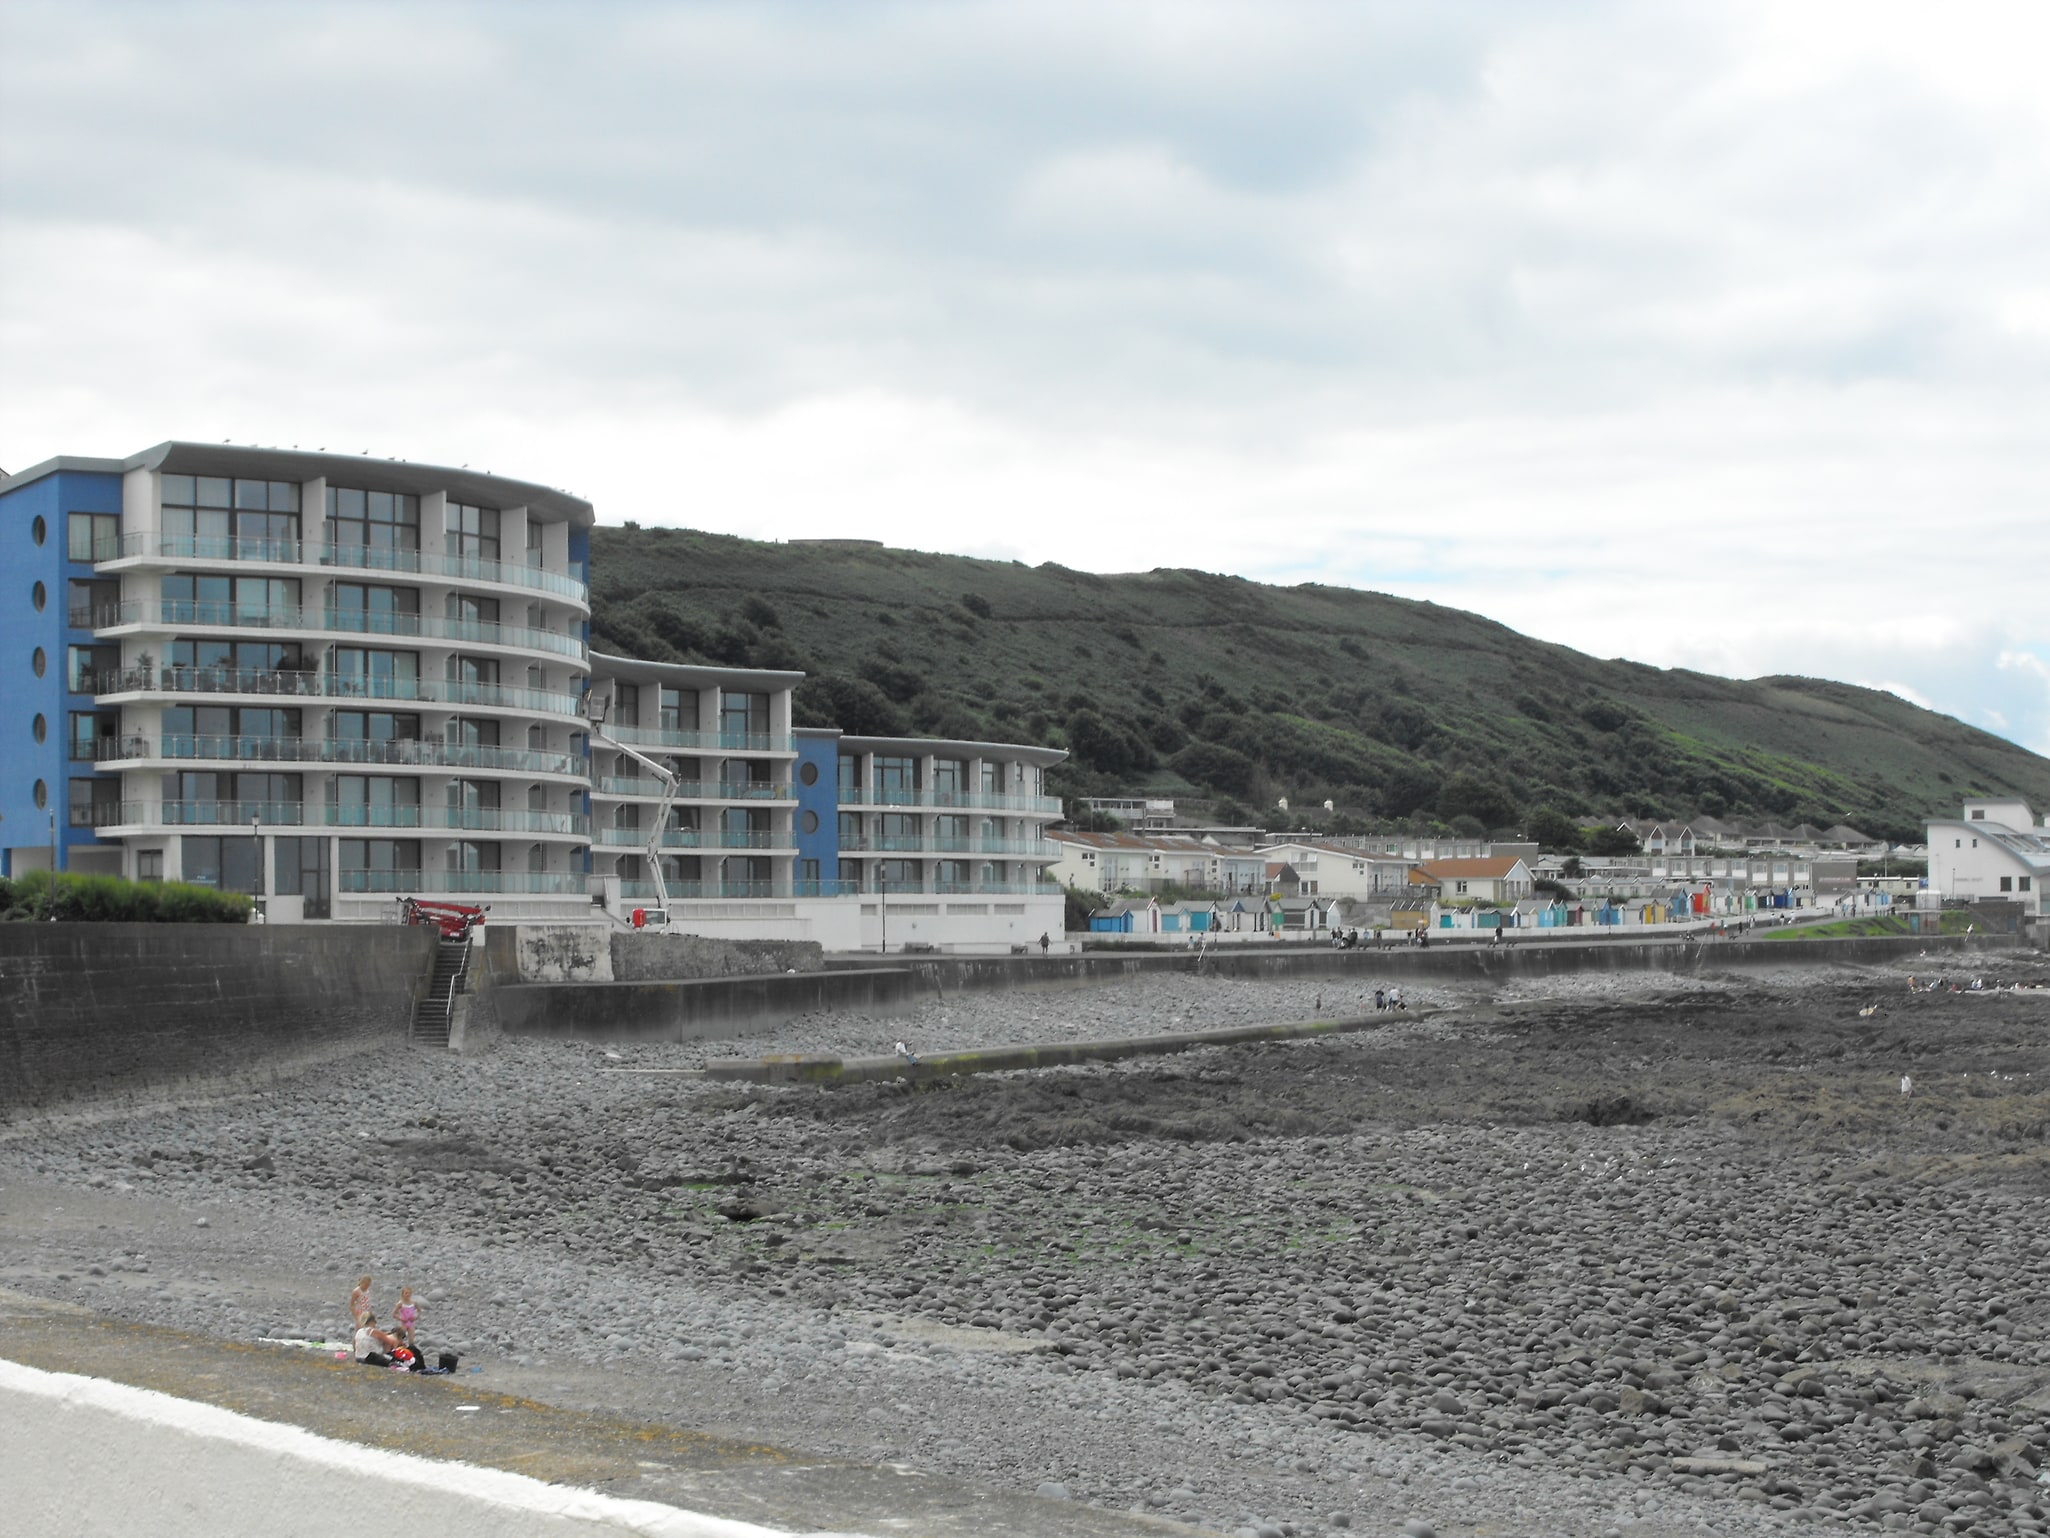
x: 717, y: 1009
x: 651, y: 956
x: 818, y: 1068
x: 82, y: 1456
x: 710, y: 1009
x: 96, y: 1009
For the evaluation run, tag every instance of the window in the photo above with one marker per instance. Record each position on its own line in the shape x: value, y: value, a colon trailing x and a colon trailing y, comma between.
x: 952, y: 832
x: 378, y: 864
x: 742, y: 716
x: 377, y: 674
x: 895, y: 777
x: 949, y: 775
x: 850, y: 830
x: 149, y: 865
x: 899, y: 875
x: 91, y: 669
x: 87, y: 728
x: 473, y: 670
x: 374, y: 528
x: 42, y: 794
x: 220, y: 519
x: 374, y: 801
x: 808, y: 821
x: 88, y: 603
x: 2007, y: 883
x: 679, y: 711
x: 850, y: 778
x: 472, y: 532
x: 470, y: 732
x: 952, y: 875
x: 473, y: 803
x: 626, y: 705
x: 94, y: 803
x: 225, y: 862
x: 375, y: 729
x: 39, y: 662
x: 381, y: 610
x: 1979, y: 815
x: 40, y: 728
x: 202, y: 796
x: 900, y: 830
x: 808, y: 772
x: 213, y: 600
x: 2024, y: 883
x: 39, y: 531
x: 39, y: 595
x: 468, y: 615
x: 470, y: 855
x: 534, y: 542
x: 92, y: 537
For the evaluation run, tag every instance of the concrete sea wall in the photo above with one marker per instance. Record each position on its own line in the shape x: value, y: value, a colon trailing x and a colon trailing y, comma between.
x: 99, y: 1009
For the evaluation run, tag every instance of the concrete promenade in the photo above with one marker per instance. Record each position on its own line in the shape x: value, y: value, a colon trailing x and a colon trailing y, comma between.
x: 112, y: 1428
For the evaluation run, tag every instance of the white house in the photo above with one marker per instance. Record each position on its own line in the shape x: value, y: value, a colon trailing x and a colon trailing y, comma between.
x: 1500, y: 880
x: 1328, y: 869
x: 1995, y: 850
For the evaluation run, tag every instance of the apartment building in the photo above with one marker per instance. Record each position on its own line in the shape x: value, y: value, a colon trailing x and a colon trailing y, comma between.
x: 333, y: 681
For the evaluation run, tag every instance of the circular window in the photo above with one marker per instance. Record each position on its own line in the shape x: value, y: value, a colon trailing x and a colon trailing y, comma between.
x: 39, y: 529
x: 42, y: 728
x: 42, y: 795
x: 39, y: 596
x: 809, y: 773
x: 40, y: 662
x: 809, y: 822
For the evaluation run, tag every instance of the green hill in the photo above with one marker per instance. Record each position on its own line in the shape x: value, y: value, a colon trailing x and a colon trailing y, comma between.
x: 1181, y: 682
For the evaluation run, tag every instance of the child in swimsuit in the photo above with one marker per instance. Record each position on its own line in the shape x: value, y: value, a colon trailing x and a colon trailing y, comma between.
x: 407, y: 1314
x: 359, y: 1302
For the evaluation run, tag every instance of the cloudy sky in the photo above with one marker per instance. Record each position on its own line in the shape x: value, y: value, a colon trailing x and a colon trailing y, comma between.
x: 1713, y: 335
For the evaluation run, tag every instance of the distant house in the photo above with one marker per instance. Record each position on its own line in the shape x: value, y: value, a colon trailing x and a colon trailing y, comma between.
x: 1498, y: 880
x: 1995, y: 850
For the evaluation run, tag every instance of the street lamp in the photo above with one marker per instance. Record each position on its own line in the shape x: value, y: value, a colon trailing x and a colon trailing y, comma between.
x: 256, y: 843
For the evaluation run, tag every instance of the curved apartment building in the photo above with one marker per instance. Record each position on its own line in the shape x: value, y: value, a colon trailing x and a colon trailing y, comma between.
x: 334, y: 681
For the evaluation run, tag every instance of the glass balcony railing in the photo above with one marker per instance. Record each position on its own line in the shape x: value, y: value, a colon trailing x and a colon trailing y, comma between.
x: 700, y: 741
x: 972, y: 800
x: 421, y: 883
x: 271, y: 815
x: 695, y: 838
x: 211, y: 614
x: 322, y: 750
x: 691, y: 891
x: 293, y: 552
x: 309, y: 684
x: 695, y: 790
x: 1011, y: 847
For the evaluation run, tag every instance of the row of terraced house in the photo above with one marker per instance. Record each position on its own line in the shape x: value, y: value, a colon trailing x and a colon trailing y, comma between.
x: 334, y: 681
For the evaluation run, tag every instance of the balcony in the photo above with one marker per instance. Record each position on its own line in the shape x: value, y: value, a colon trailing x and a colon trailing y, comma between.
x: 414, y: 883
x: 271, y: 815
x: 316, y: 685
x: 409, y: 751
x: 692, y: 740
x: 852, y: 796
x: 209, y: 614
x: 150, y: 549
x: 687, y: 891
x: 1015, y: 848
x: 694, y: 838
x: 696, y: 790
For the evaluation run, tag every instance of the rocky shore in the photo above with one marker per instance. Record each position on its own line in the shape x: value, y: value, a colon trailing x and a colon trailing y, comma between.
x: 1637, y: 1255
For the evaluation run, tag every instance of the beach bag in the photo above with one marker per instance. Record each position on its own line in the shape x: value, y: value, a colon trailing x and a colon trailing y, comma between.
x: 447, y: 1363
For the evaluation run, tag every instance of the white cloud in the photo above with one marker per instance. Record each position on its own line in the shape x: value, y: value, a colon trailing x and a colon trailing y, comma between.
x: 1709, y: 335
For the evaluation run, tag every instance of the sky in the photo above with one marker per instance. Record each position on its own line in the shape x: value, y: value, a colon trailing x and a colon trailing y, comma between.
x: 1710, y: 335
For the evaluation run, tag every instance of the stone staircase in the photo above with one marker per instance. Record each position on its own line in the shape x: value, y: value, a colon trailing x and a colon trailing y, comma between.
x: 432, y: 1015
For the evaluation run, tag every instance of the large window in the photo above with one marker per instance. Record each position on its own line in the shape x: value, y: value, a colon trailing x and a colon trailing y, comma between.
x: 374, y: 801
x: 894, y: 776
x: 949, y: 774
x: 228, y: 731
x: 378, y: 864
x: 91, y: 669
x: 92, y: 536
x: 380, y: 610
x: 534, y: 541
x: 468, y: 616
x: 203, y: 796
x: 472, y: 732
x: 193, y: 599
x: 377, y: 674
x: 90, y: 603
x: 374, y: 528
x: 472, y: 670
x: 742, y: 716
x: 220, y: 519
x: 473, y: 803
x: 679, y: 710
x: 850, y: 830
x: 900, y: 830
x: 472, y: 532
x: 225, y: 862
x: 626, y: 704
x: 375, y: 726
x: 850, y: 778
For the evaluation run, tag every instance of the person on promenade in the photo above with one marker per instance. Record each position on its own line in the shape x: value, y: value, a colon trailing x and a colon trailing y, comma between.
x: 359, y: 1303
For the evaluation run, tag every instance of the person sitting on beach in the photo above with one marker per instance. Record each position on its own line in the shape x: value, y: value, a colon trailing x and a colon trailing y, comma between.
x: 907, y: 1054
x: 359, y: 1302
x: 374, y: 1346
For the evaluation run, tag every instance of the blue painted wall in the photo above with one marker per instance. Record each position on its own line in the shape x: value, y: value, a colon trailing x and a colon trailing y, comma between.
x: 819, y: 752
x: 24, y: 628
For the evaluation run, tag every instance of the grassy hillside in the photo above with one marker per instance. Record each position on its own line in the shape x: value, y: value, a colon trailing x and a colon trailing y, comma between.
x: 1184, y: 682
